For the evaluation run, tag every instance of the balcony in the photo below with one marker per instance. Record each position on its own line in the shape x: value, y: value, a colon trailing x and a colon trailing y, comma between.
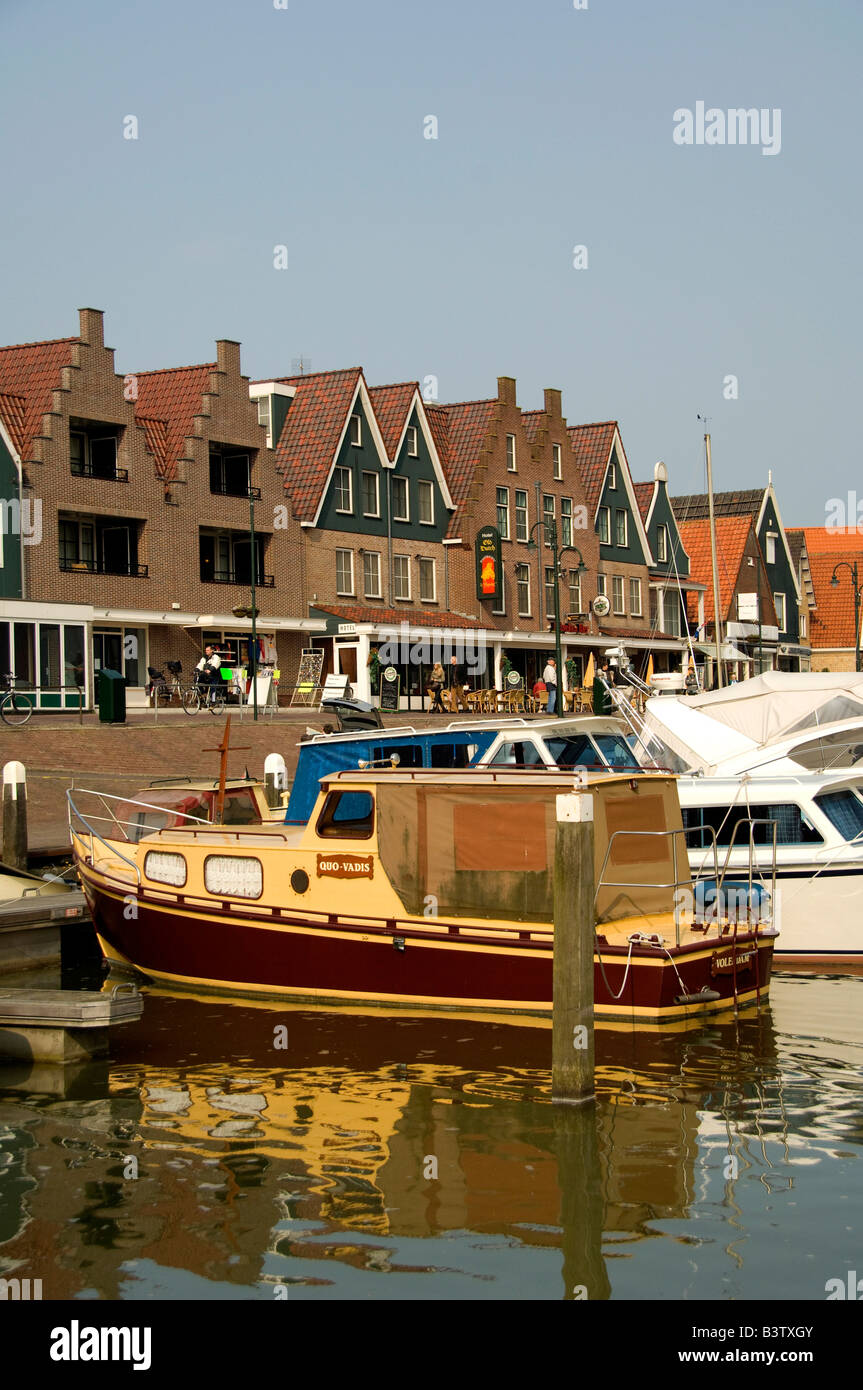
x: 104, y: 567
x: 101, y: 471
x: 264, y: 581
x: 238, y: 490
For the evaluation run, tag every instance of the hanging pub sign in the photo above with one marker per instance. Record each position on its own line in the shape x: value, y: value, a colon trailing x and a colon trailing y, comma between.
x: 489, y: 575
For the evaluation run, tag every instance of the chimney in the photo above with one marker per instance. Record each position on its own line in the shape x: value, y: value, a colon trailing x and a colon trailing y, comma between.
x: 506, y: 390
x: 91, y: 329
x: 551, y: 397
x: 228, y: 356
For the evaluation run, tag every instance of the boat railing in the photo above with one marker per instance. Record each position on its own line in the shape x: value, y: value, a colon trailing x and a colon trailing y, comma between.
x: 754, y: 869
x: 753, y: 866
x: 80, y: 828
x: 137, y: 827
x: 681, y: 887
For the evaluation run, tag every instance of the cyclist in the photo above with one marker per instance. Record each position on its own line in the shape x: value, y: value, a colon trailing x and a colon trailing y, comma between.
x: 208, y: 671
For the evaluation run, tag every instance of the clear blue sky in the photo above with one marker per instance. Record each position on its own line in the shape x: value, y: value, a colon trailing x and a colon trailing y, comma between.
x: 453, y: 256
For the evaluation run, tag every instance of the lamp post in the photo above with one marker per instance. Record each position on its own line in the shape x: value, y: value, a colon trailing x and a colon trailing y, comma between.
x: 241, y: 611
x: 858, y: 589
x: 549, y: 526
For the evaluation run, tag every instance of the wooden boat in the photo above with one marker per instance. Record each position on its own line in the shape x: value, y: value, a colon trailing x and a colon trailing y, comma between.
x: 419, y: 888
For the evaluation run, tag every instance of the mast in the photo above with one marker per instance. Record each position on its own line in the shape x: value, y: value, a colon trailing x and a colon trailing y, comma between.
x: 717, y: 622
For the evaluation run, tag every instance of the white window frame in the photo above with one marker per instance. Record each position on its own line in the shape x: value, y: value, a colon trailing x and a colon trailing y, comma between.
x: 604, y: 516
x: 566, y: 521
x: 413, y: 441
x: 662, y: 544
x: 557, y: 461
x: 804, y: 622
x: 401, y: 563
x: 635, y: 598
x: 376, y: 592
x: 356, y: 431
x: 523, y: 513
x: 612, y: 476
x: 549, y: 514
x: 424, y: 483
x: 511, y: 461
x: 368, y: 473
x: 349, y: 509
x: 781, y: 607
x: 602, y: 584
x: 504, y: 530
x: 549, y: 608
x: 617, y: 588
x: 574, y: 585
x: 407, y: 515
x: 351, y: 592
x: 426, y: 560
x: 770, y: 548
x: 618, y: 513
x: 522, y: 584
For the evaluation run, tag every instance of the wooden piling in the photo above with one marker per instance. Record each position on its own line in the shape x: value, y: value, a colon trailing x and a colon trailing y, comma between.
x: 14, y: 816
x: 572, y: 1068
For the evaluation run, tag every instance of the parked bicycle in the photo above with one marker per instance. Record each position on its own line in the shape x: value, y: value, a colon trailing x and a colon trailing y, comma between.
x: 15, y: 706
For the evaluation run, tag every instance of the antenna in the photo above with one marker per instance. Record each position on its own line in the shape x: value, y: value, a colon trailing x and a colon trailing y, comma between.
x: 300, y: 366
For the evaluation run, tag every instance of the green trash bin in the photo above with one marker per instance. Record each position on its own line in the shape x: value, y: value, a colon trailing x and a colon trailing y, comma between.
x: 112, y: 697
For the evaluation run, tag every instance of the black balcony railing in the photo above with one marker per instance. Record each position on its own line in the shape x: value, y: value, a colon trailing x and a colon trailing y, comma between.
x: 263, y: 581
x: 86, y: 470
x: 104, y: 567
x: 227, y: 491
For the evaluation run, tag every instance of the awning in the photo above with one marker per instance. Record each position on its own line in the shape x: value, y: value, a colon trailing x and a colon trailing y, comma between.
x: 728, y: 653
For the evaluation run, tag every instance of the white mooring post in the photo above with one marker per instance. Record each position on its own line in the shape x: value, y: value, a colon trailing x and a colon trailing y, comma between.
x: 14, y: 816
x: 572, y: 1066
x: 275, y: 778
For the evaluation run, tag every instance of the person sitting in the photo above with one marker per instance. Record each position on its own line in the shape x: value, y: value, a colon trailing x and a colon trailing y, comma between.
x: 208, y: 670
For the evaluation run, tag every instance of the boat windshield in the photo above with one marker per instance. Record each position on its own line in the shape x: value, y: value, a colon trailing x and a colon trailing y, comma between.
x: 844, y: 810
x: 580, y: 751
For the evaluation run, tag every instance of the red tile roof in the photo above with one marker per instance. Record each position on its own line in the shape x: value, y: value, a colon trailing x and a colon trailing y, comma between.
x: 832, y: 625
x: 391, y: 405
x: 732, y: 533
x: 591, y: 445
x: 439, y: 426
x: 31, y: 371
x: 532, y: 421
x: 311, y: 432
x: 644, y: 496
x: 13, y: 412
x: 173, y: 397
x: 392, y: 617
x: 468, y: 424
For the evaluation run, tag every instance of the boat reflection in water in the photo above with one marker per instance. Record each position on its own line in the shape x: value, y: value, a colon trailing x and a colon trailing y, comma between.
x: 359, y: 1154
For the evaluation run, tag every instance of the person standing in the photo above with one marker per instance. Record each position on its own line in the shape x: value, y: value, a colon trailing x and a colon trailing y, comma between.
x: 438, y: 679
x: 549, y: 676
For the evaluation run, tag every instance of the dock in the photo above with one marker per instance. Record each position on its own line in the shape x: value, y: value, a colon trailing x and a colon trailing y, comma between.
x: 52, y: 1025
x: 30, y: 928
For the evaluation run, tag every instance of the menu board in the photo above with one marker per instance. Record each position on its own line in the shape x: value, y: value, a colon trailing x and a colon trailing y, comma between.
x: 390, y: 688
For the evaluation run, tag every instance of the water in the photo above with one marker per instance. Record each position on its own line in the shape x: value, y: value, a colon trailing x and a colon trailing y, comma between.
x: 419, y: 1157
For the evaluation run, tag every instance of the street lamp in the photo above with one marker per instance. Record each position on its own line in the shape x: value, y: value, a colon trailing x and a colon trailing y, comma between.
x: 549, y: 525
x: 858, y: 589
x: 251, y: 611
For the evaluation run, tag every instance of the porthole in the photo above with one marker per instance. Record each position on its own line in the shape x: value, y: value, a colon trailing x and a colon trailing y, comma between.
x: 300, y: 881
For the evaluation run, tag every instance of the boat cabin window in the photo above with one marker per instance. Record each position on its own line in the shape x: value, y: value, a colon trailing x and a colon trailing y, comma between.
x: 347, y: 816
x: 409, y: 754
x: 452, y: 754
x: 580, y: 751
x: 519, y: 753
x: 792, y: 825
x: 240, y: 807
x: 844, y: 810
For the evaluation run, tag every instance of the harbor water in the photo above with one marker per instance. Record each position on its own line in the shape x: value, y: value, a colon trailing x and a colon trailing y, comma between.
x: 231, y: 1149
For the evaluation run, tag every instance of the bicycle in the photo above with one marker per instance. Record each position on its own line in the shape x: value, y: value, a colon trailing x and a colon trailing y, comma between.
x: 15, y: 707
x: 214, y: 697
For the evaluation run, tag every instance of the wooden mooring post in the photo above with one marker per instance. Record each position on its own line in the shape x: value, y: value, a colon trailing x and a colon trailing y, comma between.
x: 572, y: 1066
x: 14, y: 816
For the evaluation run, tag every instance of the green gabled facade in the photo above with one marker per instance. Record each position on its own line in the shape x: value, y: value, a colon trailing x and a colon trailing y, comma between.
x: 618, y: 498
x: 780, y: 570
x: 10, y: 522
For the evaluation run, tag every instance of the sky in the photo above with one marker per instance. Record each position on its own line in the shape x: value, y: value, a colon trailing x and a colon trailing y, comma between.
x: 716, y: 279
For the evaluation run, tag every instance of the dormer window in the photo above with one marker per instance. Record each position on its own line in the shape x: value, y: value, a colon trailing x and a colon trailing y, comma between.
x: 264, y: 413
x: 412, y: 441
x: 356, y: 431
x: 93, y: 452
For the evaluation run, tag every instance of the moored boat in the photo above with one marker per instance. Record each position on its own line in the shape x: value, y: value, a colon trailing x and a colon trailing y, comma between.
x: 419, y: 888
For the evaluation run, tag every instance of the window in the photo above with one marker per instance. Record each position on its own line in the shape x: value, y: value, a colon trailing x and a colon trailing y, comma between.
x: 844, y: 810
x: 575, y: 592
x: 100, y: 545
x: 566, y: 521
x: 671, y: 612
x: 263, y: 404
x: 548, y: 516
x: 604, y: 522
x: 779, y: 605
x: 93, y: 453
x: 426, y: 502
x: 77, y: 545
x: 549, y: 591
x: 233, y: 876
x: 371, y: 495
x: 601, y: 584
x: 230, y: 473
x: 344, y: 572
x: 356, y: 431
x: 803, y: 624
x: 662, y: 544
x: 612, y: 476
x: 522, y: 580
x: 510, y: 453
x: 635, y: 597
x: 371, y: 573
x: 401, y: 576
x: 412, y: 442
x: 621, y: 530
x: 557, y: 460
x: 521, y: 518
x: 347, y: 816
x: 344, y: 490
x: 770, y: 546
x: 503, y: 512
x: 401, y: 510
x: 792, y: 826
x: 428, y: 592
x: 617, y: 605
